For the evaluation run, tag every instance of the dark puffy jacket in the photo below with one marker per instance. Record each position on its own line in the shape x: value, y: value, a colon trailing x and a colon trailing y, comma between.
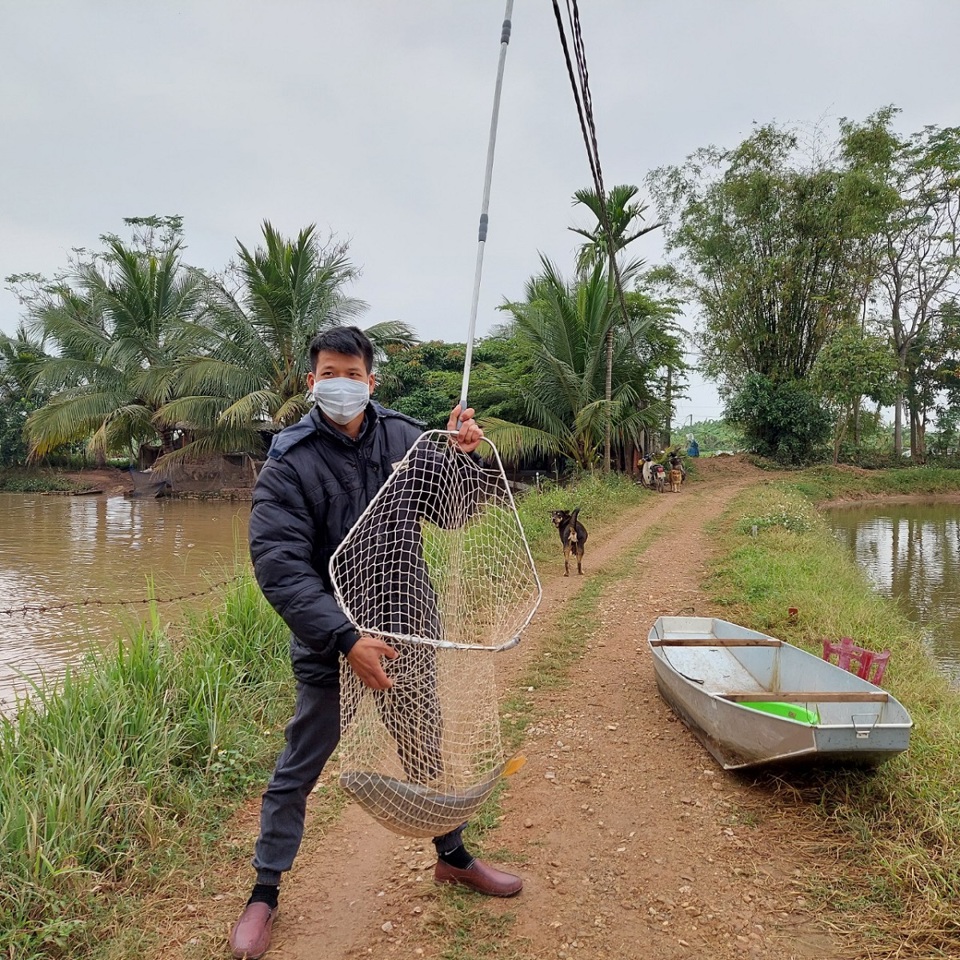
x: 314, y: 485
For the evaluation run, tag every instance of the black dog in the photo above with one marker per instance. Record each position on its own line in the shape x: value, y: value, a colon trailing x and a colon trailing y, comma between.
x: 573, y: 535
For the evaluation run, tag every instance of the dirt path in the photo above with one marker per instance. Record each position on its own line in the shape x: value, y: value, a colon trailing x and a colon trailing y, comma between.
x: 631, y: 841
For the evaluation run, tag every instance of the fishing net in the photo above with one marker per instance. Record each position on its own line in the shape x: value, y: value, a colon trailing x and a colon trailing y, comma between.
x: 438, y: 566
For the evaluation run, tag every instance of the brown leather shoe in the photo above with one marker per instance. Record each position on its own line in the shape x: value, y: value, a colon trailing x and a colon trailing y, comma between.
x: 481, y: 877
x: 250, y: 936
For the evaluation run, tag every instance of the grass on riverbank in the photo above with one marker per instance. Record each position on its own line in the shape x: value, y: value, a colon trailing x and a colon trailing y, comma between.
x: 109, y: 778
x: 116, y: 780
x: 831, y: 483
x: 896, y: 830
x: 32, y: 481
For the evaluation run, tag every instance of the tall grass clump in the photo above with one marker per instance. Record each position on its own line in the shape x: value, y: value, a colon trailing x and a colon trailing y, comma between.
x: 109, y: 776
x: 897, y: 828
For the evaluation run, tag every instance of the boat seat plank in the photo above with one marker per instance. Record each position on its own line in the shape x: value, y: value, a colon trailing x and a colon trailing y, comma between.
x: 669, y: 641
x: 820, y: 696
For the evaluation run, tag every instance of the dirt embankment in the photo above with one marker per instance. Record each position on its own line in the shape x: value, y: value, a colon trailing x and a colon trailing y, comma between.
x: 631, y: 841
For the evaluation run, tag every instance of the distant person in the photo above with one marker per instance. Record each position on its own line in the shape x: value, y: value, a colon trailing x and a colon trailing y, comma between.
x: 319, y: 476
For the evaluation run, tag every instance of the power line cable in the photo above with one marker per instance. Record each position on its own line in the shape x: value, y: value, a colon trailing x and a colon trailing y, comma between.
x: 580, y: 84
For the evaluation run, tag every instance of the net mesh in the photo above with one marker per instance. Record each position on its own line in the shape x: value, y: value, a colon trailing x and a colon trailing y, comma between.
x: 439, y: 567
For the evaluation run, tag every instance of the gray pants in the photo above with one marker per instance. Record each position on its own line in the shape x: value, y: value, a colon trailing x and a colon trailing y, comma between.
x: 312, y: 735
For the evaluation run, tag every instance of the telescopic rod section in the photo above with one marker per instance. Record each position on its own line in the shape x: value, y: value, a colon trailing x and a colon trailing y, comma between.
x: 485, y: 206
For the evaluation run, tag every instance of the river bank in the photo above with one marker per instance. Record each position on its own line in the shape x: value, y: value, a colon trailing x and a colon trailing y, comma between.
x: 216, y: 479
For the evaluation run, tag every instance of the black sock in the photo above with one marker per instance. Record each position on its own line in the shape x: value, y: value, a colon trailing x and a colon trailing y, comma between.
x: 460, y: 858
x: 265, y: 893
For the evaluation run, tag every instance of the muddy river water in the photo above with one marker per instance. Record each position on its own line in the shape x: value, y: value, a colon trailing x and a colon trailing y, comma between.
x: 911, y: 552
x: 65, y: 560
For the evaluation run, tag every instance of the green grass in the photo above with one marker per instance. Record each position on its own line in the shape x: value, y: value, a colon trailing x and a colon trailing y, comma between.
x: 27, y: 481
x: 897, y: 829
x: 108, y: 777
x: 600, y: 500
x: 829, y: 483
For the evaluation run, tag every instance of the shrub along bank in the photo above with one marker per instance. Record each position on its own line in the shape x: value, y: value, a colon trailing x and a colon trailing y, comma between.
x: 897, y: 829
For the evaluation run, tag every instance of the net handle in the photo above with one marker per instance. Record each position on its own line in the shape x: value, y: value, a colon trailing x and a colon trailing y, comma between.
x: 485, y: 205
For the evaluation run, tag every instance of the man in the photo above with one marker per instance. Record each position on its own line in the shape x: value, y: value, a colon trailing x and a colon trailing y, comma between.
x: 319, y: 476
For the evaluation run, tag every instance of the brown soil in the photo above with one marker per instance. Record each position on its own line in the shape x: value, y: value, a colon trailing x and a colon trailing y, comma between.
x: 631, y: 841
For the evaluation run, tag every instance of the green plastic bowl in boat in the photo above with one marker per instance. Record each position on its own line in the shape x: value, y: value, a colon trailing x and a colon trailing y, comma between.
x: 789, y: 711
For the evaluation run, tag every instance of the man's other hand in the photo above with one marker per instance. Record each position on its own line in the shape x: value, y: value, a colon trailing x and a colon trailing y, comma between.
x: 364, y: 658
x: 469, y: 435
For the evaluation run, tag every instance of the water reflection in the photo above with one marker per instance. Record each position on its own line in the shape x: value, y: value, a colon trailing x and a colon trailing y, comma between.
x: 59, y: 552
x: 911, y: 552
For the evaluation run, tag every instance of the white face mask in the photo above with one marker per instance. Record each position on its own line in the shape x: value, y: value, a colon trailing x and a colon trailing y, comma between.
x: 341, y: 399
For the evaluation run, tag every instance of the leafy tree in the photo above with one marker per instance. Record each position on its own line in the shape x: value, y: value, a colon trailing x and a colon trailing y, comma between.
x: 660, y: 348
x: 934, y: 385
x: 949, y: 368
x: 776, y: 251
x: 783, y: 421
x: 853, y: 364
x: 920, y: 252
x: 18, y: 358
x: 424, y: 381
x: 249, y: 378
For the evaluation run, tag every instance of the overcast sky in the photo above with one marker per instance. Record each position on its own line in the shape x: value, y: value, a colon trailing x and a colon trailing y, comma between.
x: 370, y: 118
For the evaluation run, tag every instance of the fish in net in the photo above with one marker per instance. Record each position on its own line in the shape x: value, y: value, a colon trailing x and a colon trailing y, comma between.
x: 438, y: 566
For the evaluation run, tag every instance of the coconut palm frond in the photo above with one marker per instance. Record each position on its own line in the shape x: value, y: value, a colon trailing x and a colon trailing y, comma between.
x: 190, y: 412
x: 127, y: 425
x: 216, y: 378
x: 290, y: 411
x: 391, y: 333
x: 254, y: 408
x: 515, y: 441
x: 211, y: 444
x: 69, y: 417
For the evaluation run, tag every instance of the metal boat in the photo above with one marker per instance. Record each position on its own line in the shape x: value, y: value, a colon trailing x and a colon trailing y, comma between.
x: 755, y: 701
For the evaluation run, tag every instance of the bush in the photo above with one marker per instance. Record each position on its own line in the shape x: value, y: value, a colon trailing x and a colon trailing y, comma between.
x: 20, y: 481
x: 782, y: 421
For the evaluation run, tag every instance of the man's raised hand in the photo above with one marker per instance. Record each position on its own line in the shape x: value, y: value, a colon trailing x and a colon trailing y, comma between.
x: 469, y: 434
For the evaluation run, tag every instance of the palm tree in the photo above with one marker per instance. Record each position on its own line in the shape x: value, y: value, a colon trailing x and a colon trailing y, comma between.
x: 119, y: 324
x: 19, y: 356
x: 251, y: 376
x: 565, y: 325
x: 617, y: 214
x: 623, y: 215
